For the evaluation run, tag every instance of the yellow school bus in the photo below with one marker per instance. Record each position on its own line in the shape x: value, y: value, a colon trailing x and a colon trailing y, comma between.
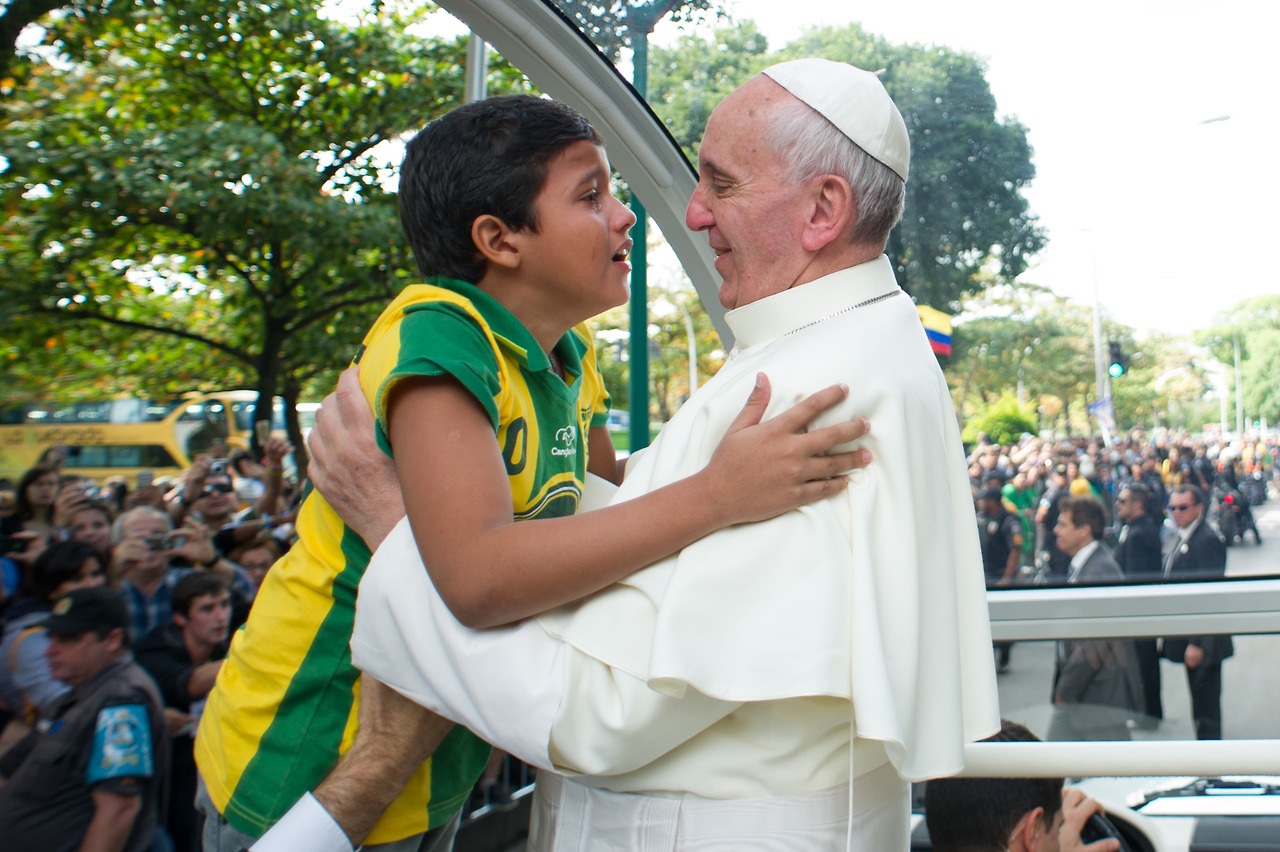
x: 124, y: 436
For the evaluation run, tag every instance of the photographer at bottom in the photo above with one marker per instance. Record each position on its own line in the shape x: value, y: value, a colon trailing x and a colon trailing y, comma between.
x: 88, y: 778
x: 1009, y: 814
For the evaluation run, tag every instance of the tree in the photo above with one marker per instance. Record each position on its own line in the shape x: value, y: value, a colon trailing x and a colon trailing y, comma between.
x: 1004, y: 422
x: 614, y: 24
x: 1025, y: 339
x: 965, y: 210
x: 688, y: 79
x: 20, y: 14
x: 965, y: 215
x: 210, y: 174
x: 1253, y: 324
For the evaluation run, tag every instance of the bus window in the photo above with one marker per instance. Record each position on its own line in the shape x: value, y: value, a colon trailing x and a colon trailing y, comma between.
x: 200, y: 426
x: 147, y: 456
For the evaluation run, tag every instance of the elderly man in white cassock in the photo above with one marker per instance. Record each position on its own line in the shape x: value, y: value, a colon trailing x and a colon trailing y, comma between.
x: 777, y: 684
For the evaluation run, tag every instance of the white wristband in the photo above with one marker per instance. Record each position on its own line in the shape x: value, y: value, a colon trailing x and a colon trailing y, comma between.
x: 308, y: 826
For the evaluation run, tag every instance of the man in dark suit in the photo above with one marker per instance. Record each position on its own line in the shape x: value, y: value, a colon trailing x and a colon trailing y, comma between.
x: 1198, y: 553
x: 1138, y: 552
x: 1097, y: 687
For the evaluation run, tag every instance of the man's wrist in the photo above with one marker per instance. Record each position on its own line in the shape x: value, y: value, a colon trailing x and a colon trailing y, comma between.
x: 307, y: 825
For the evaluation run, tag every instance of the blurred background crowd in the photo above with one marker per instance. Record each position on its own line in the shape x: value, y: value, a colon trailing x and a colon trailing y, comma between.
x: 1033, y: 475
x: 185, y: 555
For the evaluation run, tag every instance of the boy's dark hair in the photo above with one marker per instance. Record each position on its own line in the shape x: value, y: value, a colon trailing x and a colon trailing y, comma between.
x: 57, y: 564
x: 196, y: 585
x: 490, y: 157
x: 1086, y: 511
x: 978, y: 814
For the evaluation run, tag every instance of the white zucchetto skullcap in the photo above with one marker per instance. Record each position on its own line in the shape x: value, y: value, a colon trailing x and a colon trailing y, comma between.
x: 855, y: 101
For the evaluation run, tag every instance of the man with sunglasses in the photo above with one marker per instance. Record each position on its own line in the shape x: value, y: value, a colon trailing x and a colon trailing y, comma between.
x: 217, y: 506
x: 1197, y: 552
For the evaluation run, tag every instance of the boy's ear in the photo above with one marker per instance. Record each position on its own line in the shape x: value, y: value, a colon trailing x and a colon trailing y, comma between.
x: 494, y: 240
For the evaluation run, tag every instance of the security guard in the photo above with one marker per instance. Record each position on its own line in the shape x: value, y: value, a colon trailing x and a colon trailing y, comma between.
x: 90, y: 776
x: 1000, y: 534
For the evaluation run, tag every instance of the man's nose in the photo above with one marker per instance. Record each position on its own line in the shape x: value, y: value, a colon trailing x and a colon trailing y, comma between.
x: 697, y: 216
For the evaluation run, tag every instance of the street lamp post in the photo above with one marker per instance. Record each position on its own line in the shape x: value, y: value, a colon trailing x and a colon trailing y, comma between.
x: 1235, y: 345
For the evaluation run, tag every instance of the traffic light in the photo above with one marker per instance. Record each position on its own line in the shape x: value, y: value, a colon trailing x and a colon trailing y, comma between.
x: 1119, y: 361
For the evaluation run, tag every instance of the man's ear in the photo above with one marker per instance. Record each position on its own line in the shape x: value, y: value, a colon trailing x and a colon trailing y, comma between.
x: 114, y: 638
x: 832, y: 213
x: 495, y: 240
x: 1027, y: 831
x: 179, y: 619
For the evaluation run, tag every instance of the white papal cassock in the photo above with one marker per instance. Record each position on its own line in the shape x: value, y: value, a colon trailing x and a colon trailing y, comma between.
x: 728, y: 681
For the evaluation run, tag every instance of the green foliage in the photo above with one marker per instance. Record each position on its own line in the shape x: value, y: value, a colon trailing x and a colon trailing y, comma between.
x: 687, y: 80
x: 1254, y: 324
x: 199, y: 191
x: 614, y: 24
x: 966, y: 221
x: 1004, y: 422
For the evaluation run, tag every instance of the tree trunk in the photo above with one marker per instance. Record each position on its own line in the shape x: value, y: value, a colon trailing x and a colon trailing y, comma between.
x: 269, y: 380
x: 290, y: 392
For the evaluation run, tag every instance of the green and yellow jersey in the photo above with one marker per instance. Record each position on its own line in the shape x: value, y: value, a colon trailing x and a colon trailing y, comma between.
x: 284, y: 706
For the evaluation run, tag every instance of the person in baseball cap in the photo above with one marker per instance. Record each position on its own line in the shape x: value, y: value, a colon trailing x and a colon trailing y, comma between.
x: 93, y: 776
x: 97, y: 609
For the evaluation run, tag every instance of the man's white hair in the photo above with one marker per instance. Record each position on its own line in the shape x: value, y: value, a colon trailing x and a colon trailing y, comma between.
x: 810, y: 146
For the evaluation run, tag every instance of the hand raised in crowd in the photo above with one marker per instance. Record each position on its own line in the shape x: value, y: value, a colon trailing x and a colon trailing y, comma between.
x: 131, y: 550
x: 67, y: 503
x: 348, y: 468
x: 192, y: 484
x: 275, y: 451
x: 193, y: 542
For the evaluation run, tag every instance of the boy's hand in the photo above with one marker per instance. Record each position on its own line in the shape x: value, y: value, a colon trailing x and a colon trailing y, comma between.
x: 348, y: 468
x: 765, y: 469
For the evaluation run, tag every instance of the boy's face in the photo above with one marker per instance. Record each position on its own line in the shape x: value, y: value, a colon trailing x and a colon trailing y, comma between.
x: 579, y: 254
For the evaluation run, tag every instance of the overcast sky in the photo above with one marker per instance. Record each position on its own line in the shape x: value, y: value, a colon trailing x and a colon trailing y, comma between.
x: 1170, y: 218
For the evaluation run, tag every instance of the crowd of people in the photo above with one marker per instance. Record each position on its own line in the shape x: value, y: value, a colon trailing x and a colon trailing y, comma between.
x: 165, y: 569
x: 318, y: 727
x: 1033, y: 474
x: 1139, y: 510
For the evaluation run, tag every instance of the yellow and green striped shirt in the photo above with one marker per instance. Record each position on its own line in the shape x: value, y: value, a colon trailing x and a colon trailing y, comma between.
x: 284, y: 706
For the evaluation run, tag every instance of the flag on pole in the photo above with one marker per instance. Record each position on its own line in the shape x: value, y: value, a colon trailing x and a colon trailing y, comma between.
x: 937, y: 326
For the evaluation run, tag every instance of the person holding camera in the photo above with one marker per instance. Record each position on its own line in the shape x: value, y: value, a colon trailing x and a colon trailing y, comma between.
x: 31, y: 526
x: 150, y: 557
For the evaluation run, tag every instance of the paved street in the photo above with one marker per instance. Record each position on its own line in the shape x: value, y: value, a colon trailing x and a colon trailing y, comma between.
x: 1251, y: 683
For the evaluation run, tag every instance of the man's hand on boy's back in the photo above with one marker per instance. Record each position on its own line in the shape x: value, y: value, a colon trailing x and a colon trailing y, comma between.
x: 348, y: 468
x: 768, y: 468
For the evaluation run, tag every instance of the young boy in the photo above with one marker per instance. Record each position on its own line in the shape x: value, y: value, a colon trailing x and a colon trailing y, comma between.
x: 488, y: 398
